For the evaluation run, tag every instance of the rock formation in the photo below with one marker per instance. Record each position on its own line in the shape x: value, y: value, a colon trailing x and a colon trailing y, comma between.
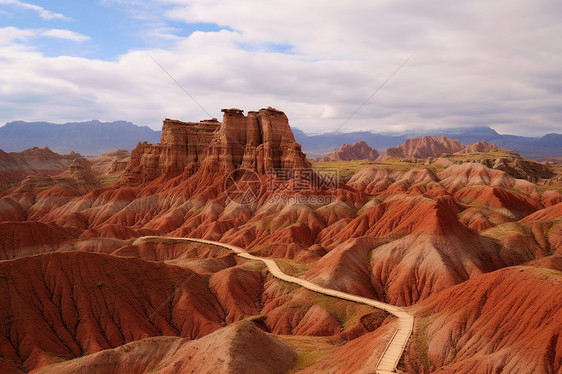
x: 81, y: 171
x: 479, y: 147
x: 424, y: 147
x: 518, y: 167
x: 507, y: 161
x: 260, y: 141
x: 429, y: 146
x: 356, y: 151
x: 16, y: 166
x: 111, y: 162
x: 182, y: 147
x: 462, y: 246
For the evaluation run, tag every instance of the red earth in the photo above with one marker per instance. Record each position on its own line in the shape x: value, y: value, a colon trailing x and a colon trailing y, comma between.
x: 472, y: 252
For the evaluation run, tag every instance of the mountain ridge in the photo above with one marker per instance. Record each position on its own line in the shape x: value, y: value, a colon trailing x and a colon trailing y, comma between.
x: 91, y: 138
x: 548, y: 145
x: 86, y: 137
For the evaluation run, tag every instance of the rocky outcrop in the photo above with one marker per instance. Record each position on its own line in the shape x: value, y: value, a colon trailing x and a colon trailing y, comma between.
x: 430, y: 146
x: 451, y: 152
x: 521, y: 168
x: 81, y: 171
x: 424, y: 147
x: 357, y: 151
x: 111, y: 162
x: 16, y: 166
x: 479, y: 147
x: 183, y: 145
x: 508, y: 162
x: 260, y: 141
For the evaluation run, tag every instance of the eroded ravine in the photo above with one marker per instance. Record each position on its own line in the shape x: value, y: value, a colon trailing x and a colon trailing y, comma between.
x: 396, y: 345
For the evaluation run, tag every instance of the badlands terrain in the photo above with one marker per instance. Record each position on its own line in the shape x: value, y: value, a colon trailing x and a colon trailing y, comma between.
x: 466, y: 238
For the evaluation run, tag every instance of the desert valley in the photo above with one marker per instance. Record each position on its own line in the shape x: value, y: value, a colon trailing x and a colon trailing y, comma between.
x: 430, y: 257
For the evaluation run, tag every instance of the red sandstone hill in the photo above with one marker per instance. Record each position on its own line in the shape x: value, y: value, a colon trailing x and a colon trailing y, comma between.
x: 111, y: 162
x: 423, y: 241
x: 305, y: 232
x: 356, y: 151
x: 479, y: 147
x: 378, y: 180
x: 78, y: 303
x: 15, y: 166
x: 20, y: 239
x: 507, y: 321
x: 423, y: 147
x: 70, y: 304
x: 429, y: 146
x: 240, y: 348
x: 403, y: 236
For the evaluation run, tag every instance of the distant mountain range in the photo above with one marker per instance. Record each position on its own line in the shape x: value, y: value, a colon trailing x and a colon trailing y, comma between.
x: 538, y: 148
x: 93, y: 138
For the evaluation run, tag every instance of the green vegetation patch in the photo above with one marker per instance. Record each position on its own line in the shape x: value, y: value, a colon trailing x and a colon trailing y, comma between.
x: 291, y: 267
x: 346, y: 312
x: 109, y: 180
x: 348, y: 168
x: 542, y: 189
x: 421, y: 345
x: 344, y: 168
x: 261, y: 250
x: 549, y: 272
x: 506, y: 230
x: 467, y: 157
x: 310, y: 350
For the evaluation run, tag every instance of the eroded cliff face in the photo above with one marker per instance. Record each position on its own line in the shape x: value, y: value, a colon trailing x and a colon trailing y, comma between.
x: 357, y: 151
x: 424, y: 147
x: 260, y: 141
x: 182, y: 147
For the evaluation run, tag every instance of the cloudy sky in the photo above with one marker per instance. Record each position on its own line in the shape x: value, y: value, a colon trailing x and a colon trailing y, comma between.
x: 445, y: 63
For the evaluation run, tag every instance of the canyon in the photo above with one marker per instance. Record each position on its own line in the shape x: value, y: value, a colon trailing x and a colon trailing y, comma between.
x: 93, y: 280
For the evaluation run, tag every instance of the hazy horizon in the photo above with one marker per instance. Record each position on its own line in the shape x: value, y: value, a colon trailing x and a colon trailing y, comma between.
x: 410, y: 131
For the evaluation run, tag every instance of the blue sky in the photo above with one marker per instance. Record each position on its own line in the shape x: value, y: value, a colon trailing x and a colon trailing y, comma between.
x: 475, y: 63
x: 112, y: 28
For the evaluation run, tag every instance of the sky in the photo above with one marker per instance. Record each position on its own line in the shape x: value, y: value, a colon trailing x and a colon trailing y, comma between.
x: 378, y: 65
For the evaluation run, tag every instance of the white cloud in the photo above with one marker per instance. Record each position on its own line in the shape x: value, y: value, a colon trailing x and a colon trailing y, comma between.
x: 328, y: 112
x: 476, y: 63
x: 12, y: 34
x: 65, y: 34
x: 42, y: 12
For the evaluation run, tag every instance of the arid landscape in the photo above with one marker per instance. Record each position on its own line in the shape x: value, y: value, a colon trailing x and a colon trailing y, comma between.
x: 280, y: 187
x: 466, y: 239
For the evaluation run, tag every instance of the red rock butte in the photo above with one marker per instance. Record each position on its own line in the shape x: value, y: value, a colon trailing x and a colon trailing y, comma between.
x: 357, y: 151
x: 259, y: 141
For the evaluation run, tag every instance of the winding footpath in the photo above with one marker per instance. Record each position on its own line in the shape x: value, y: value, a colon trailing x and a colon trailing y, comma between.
x: 395, y: 347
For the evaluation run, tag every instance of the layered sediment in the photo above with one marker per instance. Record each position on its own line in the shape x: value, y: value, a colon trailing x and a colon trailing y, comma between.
x: 259, y: 141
